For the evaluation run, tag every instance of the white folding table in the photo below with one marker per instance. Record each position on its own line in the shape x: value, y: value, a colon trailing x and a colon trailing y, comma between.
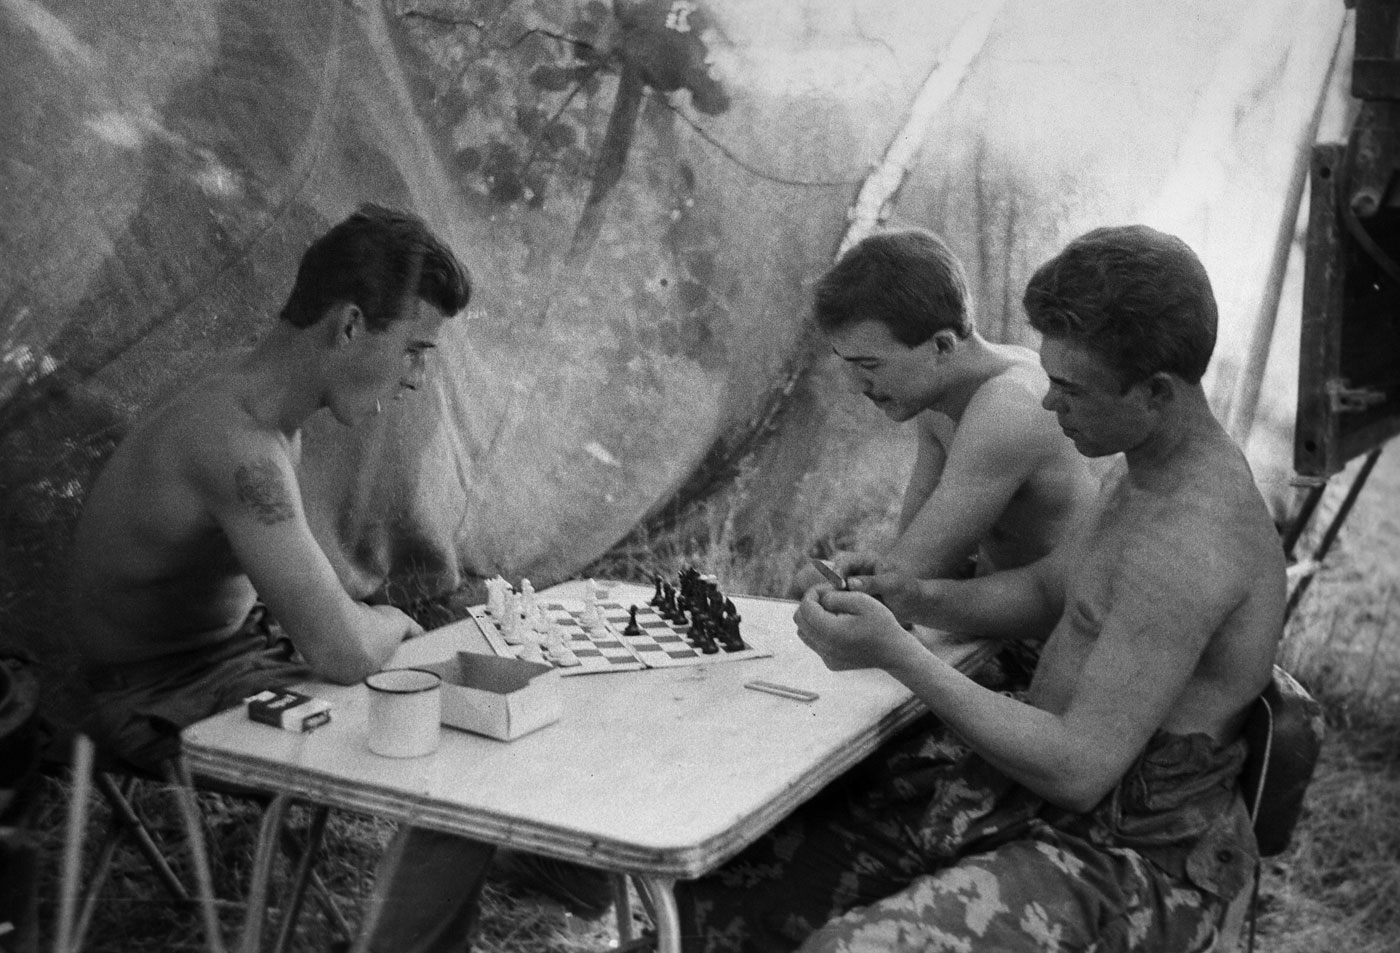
x: 660, y: 774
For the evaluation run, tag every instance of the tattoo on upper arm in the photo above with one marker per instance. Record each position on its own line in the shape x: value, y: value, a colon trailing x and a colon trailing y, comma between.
x: 263, y: 490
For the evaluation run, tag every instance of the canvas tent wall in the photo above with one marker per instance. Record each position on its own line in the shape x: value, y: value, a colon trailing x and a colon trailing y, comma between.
x: 644, y: 190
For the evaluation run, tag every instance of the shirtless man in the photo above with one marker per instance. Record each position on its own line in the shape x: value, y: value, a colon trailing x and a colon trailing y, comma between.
x: 993, y: 476
x: 196, y: 524
x: 1100, y: 809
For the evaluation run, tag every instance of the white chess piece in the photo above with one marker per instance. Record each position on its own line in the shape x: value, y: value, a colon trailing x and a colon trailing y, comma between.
x: 510, y: 619
x: 590, y: 616
x: 536, y: 620
x: 496, y: 597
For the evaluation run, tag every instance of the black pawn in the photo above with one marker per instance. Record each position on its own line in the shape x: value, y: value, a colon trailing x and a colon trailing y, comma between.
x: 632, y: 627
x: 657, y: 598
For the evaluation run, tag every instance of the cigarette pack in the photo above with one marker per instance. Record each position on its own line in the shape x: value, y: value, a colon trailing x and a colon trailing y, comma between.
x: 291, y: 711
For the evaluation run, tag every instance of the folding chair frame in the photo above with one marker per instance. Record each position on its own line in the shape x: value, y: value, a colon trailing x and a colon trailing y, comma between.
x: 76, y: 914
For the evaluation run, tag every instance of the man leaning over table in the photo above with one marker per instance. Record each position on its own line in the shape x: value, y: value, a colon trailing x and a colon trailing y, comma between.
x: 1099, y: 809
x: 193, y: 538
x: 994, y: 480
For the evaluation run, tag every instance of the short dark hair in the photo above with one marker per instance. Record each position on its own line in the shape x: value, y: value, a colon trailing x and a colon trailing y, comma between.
x: 907, y: 279
x: 372, y: 259
x: 1138, y: 298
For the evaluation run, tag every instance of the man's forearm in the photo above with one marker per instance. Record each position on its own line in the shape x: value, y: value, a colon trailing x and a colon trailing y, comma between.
x: 1028, y: 745
x: 1005, y: 605
x: 924, y: 558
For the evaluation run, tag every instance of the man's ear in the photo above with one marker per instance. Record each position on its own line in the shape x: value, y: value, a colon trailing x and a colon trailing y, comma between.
x: 1161, y: 389
x: 945, y: 342
x: 345, y: 322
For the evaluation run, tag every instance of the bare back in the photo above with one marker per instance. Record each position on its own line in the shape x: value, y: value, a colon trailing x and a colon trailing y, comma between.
x: 1173, y: 600
x: 153, y: 572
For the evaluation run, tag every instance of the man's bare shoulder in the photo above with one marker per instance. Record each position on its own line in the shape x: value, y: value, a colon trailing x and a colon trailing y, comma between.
x: 1209, y: 519
x: 1006, y: 408
x: 1021, y: 382
x: 202, y: 432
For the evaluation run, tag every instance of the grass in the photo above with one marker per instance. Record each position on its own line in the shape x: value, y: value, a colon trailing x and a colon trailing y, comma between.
x: 1337, y: 887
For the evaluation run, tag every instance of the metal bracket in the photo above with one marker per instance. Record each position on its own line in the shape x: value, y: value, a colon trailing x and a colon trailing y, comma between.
x: 1342, y: 399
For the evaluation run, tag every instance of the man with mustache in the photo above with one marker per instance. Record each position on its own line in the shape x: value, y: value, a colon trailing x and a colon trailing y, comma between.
x: 995, y: 483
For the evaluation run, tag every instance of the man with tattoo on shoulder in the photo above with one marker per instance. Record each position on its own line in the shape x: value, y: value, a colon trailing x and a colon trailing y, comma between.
x: 194, y: 539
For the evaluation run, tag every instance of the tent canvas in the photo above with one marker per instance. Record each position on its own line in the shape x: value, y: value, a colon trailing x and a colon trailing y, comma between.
x: 644, y: 191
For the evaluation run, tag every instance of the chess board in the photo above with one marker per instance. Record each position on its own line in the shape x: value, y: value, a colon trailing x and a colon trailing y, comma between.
x: 606, y: 649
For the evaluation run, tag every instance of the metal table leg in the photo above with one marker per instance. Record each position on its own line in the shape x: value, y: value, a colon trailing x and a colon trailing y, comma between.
x: 662, y: 891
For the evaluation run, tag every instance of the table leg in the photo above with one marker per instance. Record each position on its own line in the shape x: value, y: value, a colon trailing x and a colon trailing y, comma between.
x: 269, y: 833
x: 622, y: 909
x: 668, y: 922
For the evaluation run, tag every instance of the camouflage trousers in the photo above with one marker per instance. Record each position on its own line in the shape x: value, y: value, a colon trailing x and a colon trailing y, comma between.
x: 925, y: 847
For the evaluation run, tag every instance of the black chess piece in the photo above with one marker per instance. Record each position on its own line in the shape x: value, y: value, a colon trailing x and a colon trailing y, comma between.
x: 733, y: 640
x: 679, y: 610
x: 657, y: 598
x: 698, y: 632
x: 702, y: 635
x: 632, y: 627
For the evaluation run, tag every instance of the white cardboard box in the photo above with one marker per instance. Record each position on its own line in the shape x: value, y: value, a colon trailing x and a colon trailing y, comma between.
x: 499, y: 697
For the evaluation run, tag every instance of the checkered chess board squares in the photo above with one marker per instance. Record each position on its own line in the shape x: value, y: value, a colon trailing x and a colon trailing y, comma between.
x: 660, y: 644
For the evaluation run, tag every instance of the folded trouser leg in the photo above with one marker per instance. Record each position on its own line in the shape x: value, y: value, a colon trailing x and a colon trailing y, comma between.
x: 430, y: 902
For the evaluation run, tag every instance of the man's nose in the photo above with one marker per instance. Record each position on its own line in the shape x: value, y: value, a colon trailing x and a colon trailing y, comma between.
x: 1051, y: 400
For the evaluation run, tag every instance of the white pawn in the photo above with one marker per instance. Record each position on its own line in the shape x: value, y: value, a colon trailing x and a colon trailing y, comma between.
x: 551, y: 636
x: 563, y: 656
x: 590, y: 617
x: 510, y: 620
x: 536, y: 620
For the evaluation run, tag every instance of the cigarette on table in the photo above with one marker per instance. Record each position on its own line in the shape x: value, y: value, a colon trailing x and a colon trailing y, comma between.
x: 782, y: 691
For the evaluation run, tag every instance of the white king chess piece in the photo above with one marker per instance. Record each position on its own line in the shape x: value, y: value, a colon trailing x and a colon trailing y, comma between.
x: 510, y: 620
x: 496, y: 588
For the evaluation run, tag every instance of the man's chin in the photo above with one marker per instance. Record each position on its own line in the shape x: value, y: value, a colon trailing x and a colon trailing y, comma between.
x: 894, y: 411
x: 1091, y: 450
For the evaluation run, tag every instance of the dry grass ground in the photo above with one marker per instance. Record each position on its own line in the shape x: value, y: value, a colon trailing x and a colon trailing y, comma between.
x: 1337, y: 888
